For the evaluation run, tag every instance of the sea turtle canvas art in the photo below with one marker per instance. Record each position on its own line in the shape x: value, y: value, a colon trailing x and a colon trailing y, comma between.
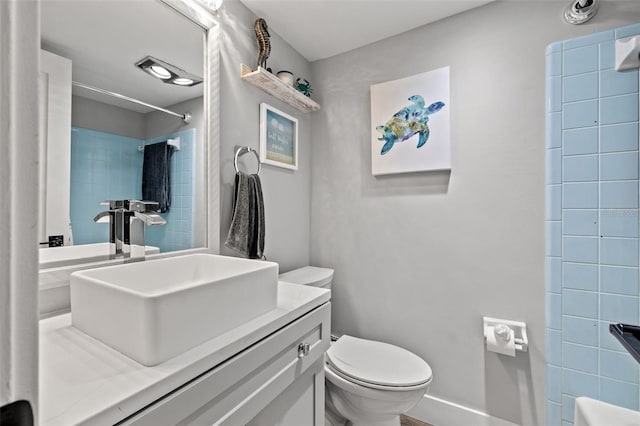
x: 409, y: 121
x: 410, y: 124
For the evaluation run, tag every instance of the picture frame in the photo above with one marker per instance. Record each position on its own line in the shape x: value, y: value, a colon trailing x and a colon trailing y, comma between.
x: 278, y: 138
x: 411, y: 124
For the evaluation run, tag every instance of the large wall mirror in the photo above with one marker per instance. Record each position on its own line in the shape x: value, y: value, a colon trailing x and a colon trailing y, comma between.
x: 94, y: 141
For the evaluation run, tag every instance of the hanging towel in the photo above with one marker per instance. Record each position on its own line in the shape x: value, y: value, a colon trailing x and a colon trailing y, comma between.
x: 246, y: 234
x: 156, y: 179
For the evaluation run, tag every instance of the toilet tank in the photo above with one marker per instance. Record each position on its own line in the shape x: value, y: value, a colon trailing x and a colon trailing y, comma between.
x: 309, y: 275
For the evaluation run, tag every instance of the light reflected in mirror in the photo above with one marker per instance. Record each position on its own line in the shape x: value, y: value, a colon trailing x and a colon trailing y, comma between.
x: 93, y: 147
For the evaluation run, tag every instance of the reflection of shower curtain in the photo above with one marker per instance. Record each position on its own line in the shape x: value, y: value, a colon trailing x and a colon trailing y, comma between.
x: 156, y: 180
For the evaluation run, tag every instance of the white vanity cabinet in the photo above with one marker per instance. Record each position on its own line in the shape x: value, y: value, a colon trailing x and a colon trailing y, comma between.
x: 277, y: 381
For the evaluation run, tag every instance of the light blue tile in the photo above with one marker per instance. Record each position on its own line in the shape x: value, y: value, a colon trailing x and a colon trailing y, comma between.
x: 607, y: 341
x: 614, y: 82
x: 619, y: 280
x: 553, y: 414
x: 619, y: 166
x: 554, y: 311
x: 618, y: 109
x: 580, y: 330
x: 554, y: 94
x: 553, y: 268
x: 554, y: 347
x: 619, y: 195
x: 554, y: 166
x: 568, y: 408
x: 554, y: 130
x: 554, y: 64
x: 581, y: 276
x: 588, y: 40
x: 578, y: 303
x: 554, y: 202
x: 619, y: 223
x: 567, y: 423
x: 581, y: 114
x: 580, y: 222
x: 579, y: 384
x: 580, y: 87
x: 580, y: 249
x: 618, y: 308
x: 554, y: 239
x: 619, y: 137
x: 607, y: 55
x: 581, y: 60
x: 619, y: 366
x: 580, y: 357
x: 580, y: 168
x: 580, y: 195
x: 554, y: 384
x: 627, y: 31
x: 554, y: 47
x: 619, y: 393
x: 619, y: 251
x: 580, y: 141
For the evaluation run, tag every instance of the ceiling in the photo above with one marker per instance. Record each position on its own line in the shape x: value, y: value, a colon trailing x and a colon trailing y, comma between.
x: 105, y: 38
x: 320, y: 29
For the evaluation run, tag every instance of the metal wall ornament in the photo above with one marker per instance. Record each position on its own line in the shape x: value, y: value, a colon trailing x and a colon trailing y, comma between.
x: 262, y: 36
x: 303, y: 86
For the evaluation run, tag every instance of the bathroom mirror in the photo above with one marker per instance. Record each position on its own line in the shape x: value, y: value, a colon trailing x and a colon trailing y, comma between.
x: 93, y: 149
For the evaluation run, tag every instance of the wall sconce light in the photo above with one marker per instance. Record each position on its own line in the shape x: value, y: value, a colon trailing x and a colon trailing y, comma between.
x: 166, y: 72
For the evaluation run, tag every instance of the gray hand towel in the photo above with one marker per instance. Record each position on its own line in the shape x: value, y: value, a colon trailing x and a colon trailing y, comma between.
x: 156, y: 181
x: 246, y: 233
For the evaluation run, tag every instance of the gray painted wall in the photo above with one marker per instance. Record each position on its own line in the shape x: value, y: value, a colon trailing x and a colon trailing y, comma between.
x: 419, y: 259
x: 286, y: 193
x: 90, y: 114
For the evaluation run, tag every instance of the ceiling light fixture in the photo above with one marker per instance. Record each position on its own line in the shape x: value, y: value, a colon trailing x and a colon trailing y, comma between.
x: 166, y: 72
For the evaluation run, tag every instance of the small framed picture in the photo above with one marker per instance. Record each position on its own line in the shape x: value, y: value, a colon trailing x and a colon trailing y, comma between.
x: 278, y: 138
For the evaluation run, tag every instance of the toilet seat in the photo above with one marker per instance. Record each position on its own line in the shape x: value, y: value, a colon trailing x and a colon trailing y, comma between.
x: 377, y: 365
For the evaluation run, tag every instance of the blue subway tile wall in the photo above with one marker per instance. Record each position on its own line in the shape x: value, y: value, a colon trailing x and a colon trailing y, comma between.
x: 593, y: 231
x: 106, y: 166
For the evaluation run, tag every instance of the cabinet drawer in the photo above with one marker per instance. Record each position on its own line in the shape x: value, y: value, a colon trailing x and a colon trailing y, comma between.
x: 235, y: 391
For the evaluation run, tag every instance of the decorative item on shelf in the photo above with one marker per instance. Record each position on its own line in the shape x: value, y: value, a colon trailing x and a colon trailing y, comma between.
x: 262, y: 35
x: 286, y: 77
x: 278, y: 138
x: 303, y: 86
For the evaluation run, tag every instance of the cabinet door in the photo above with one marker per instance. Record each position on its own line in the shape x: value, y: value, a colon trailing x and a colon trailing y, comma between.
x: 301, y: 404
x: 236, y: 391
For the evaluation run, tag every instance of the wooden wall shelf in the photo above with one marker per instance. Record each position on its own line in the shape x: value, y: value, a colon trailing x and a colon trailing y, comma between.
x: 271, y: 84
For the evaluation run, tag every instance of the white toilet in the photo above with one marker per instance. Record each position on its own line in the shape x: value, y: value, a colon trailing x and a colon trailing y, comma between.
x: 367, y: 382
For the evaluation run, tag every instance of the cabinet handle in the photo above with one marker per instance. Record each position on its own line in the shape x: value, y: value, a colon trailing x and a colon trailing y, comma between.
x: 303, y: 350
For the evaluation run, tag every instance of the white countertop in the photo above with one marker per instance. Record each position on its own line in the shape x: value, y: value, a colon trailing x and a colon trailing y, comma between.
x: 85, y: 381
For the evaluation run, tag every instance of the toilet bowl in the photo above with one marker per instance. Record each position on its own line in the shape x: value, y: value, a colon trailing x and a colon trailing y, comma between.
x: 367, y: 382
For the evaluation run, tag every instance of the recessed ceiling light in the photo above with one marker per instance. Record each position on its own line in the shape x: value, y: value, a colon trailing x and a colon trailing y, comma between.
x: 166, y: 72
x: 159, y: 71
x: 182, y: 81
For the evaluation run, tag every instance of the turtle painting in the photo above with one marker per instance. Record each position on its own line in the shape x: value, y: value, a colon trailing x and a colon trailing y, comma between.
x: 409, y: 121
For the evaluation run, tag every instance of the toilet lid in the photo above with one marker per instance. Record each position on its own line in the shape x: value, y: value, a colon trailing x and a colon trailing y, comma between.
x: 309, y: 275
x: 377, y: 363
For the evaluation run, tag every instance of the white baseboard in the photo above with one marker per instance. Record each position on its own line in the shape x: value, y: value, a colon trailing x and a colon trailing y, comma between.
x: 439, y: 412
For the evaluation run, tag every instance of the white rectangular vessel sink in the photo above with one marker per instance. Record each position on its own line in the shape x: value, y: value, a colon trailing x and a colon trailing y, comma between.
x: 591, y: 412
x: 154, y: 310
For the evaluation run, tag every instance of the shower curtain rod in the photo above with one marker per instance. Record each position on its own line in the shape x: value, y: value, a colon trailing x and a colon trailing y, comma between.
x: 186, y: 117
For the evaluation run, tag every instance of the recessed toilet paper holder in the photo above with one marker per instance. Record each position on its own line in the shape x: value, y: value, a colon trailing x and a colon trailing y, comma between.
x: 519, y: 331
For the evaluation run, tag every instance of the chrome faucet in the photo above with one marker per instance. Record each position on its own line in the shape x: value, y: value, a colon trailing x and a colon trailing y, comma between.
x: 127, y: 219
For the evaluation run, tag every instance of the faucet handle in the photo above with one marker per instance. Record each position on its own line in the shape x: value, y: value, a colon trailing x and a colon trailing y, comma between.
x: 143, y: 206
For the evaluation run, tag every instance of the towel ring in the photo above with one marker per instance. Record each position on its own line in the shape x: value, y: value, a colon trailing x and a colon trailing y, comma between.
x: 246, y: 149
